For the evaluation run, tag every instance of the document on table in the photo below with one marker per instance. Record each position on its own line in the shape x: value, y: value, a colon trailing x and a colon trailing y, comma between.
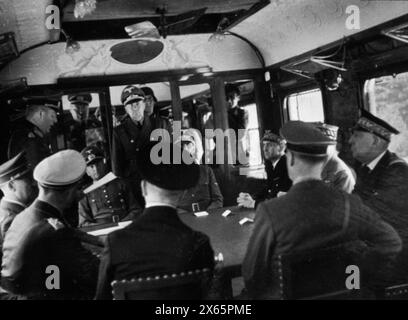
x: 105, y: 231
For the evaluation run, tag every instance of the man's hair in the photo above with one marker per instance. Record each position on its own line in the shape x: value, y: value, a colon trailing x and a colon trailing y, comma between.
x: 231, y: 89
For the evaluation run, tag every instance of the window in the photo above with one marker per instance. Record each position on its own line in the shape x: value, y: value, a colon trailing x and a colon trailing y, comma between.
x: 253, y: 140
x: 387, y: 98
x: 305, y: 106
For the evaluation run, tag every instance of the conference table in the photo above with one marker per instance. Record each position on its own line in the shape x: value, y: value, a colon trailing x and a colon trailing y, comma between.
x: 228, y: 228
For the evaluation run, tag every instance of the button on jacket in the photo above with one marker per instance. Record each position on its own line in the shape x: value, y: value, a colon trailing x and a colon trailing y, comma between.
x: 206, y: 193
x: 37, y: 238
x: 112, y: 199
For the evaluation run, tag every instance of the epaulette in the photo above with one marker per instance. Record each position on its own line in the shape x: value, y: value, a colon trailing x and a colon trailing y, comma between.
x: 55, y: 223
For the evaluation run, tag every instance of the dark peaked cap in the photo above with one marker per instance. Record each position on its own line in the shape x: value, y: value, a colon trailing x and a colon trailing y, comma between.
x: 370, y: 123
x: 305, y: 138
x: 14, y: 168
x: 167, y: 176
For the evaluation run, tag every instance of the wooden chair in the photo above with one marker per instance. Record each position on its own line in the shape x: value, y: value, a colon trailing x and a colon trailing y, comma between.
x: 316, y: 274
x: 190, y: 285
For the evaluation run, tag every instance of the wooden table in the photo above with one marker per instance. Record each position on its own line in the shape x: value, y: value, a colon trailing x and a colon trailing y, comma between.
x: 226, y: 235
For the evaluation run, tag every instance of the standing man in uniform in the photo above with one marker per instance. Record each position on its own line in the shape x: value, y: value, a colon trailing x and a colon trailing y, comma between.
x: 382, y: 177
x: 311, y: 215
x: 131, y: 135
x: 237, y: 119
x: 30, y: 135
x: 81, y: 125
x: 18, y: 190
x: 39, y: 237
x: 273, y: 147
x: 158, y: 242
x: 113, y: 201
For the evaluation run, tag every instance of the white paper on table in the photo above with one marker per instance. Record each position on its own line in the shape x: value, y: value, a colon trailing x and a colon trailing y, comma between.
x: 105, y: 231
x: 245, y: 220
x: 201, y: 214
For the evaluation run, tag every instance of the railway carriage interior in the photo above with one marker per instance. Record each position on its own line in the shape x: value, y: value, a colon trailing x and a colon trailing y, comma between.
x: 302, y: 60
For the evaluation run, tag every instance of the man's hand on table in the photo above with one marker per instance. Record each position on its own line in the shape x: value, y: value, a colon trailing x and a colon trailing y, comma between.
x: 245, y: 200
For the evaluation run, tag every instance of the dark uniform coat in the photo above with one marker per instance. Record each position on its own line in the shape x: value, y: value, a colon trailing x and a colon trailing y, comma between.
x: 311, y: 215
x: 112, y: 199
x: 8, y: 211
x: 128, y: 139
x: 26, y: 136
x: 277, y: 180
x: 156, y: 243
x: 385, y: 190
x: 39, y: 238
x: 206, y: 193
x: 337, y: 174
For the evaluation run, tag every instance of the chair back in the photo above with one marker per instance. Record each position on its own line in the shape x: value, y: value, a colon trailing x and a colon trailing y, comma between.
x: 316, y: 274
x: 190, y: 285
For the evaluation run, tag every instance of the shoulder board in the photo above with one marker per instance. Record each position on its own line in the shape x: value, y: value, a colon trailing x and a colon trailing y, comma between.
x: 55, y: 223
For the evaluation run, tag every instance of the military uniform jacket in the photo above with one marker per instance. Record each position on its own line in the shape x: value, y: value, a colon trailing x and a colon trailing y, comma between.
x: 277, y: 180
x: 8, y: 211
x: 311, y: 215
x: 206, y: 193
x: 128, y: 138
x: 112, y: 199
x: 385, y: 190
x: 36, y: 239
x: 26, y: 136
x: 156, y: 243
x: 337, y: 174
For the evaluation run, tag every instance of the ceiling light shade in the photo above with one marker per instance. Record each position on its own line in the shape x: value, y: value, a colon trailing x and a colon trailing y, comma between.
x: 136, y: 51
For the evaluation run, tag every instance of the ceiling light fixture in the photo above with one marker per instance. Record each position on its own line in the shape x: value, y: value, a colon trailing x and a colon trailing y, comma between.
x: 71, y: 45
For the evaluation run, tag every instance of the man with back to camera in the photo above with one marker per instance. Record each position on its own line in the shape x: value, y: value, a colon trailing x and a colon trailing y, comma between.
x: 157, y: 242
x: 113, y: 201
x: 40, y: 237
x: 30, y: 135
x: 273, y: 147
x: 311, y: 215
x: 382, y: 178
x: 131, y: 135
x: 335, y: 172
x: 18, y: 189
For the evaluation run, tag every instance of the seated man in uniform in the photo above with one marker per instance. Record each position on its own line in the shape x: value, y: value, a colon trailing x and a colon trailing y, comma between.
x: 335, y: 172
x: 206, y: 194
x: 382, y: 179
x: 157, y: 242
x: 278, y: 180
x: 113, y: 201
x: 39, y: 237
x: 311, y: 215
x: 18, y: 189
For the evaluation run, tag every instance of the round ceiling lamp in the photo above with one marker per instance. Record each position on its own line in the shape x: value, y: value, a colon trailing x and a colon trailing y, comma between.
x: 136, y: 51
